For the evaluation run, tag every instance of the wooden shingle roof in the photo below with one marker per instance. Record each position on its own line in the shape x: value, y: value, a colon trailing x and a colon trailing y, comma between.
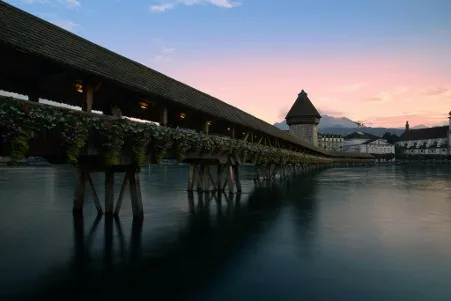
x: 303, y: 107
x: 30, y: 34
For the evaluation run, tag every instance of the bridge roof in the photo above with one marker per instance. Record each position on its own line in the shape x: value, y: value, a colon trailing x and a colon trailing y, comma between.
x: 32, y: 35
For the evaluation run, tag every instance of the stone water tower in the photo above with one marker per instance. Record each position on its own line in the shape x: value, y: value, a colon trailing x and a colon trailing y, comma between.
x: 303, y: 119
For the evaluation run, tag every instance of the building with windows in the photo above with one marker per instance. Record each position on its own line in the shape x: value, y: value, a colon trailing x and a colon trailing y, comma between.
x: 429, y: 141
x: 367, y: 143
x: 333, y: 142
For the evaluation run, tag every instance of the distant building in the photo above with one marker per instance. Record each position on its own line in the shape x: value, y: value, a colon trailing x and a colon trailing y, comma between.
x: 429, y: 141
x: 367, y: 143
x: 303, y: 119
x: 333, y: 142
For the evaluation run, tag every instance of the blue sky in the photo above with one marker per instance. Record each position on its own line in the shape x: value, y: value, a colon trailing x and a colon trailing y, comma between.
x: 296, y: 40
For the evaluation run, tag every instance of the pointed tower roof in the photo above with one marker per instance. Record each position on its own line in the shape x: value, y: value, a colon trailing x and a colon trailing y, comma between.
x: 303, y: 107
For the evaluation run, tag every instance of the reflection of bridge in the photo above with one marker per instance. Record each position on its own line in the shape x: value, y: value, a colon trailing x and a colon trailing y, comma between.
x: 43, y: 61
x: 217, y: 231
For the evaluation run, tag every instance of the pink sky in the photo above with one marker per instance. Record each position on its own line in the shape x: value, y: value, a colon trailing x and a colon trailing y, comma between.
x: 378, y: 62
x: 378, y: 92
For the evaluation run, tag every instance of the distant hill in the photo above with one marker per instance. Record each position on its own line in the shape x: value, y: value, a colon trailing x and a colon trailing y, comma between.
x: 420, y: 126
x: 373, y: 131
x: 325, y: 121
x: 343, y: 125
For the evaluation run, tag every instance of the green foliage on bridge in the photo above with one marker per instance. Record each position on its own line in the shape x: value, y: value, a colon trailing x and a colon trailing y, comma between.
x: 74, y: 130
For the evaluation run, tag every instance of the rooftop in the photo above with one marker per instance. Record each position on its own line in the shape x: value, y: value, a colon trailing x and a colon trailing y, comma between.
x: 303, y: 107
x: 424, y: 134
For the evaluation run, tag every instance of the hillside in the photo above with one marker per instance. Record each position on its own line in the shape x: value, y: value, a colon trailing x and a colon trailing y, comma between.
x: 343, y: 125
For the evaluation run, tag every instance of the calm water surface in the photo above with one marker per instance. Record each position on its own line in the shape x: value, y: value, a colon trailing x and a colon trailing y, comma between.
x: 381, y: 233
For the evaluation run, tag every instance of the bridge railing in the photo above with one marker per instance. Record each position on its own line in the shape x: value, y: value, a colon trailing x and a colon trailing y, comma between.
x: 34, y: 128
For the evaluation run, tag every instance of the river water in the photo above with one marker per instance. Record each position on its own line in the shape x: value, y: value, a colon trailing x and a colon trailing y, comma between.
x: 376, y: 233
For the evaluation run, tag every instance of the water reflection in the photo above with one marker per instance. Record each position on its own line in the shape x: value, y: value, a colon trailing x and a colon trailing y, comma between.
x: 83, y: 242
x: 346, y: 234
x: 217, y: 227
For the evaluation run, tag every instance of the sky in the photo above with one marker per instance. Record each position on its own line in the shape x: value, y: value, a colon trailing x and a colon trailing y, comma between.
x: 380, y: 62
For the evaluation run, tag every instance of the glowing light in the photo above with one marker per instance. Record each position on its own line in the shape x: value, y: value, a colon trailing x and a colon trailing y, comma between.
x: 182, y: 115
x: 78, y: 86
x: 143, y: 105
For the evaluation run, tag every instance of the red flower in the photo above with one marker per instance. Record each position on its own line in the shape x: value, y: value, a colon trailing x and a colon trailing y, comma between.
x: 122, y: 130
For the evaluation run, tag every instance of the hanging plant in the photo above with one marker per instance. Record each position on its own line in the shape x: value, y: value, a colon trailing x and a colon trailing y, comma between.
x: 74, y: 130
x: 207, y: 146
x: 18, y: 147
x: 110, y: 136
x: 161, y: 142
x: 74, y: 136
x: 15, y: 133
x: 182, y: 143
x: 137, y: 139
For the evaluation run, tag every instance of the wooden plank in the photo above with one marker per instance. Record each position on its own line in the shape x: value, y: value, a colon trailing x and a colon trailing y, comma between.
x: 94, y: 194
x: 136, y: 197
x: 121, y: 193
x: 109, y: 192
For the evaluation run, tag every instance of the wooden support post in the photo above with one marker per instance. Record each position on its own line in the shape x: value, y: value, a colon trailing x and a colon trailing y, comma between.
x: 230, y: 179
x: 79, y: 195
x: 191, y: 177
x: 200, y: 175
x: 246, y: 136
x: 236, y: 176
x: 109, y: 192
x: 135, y: 194
x: 164, y: 117
x: 94, y: 194
x: 207, y: 127
x: 233, y: 133
x: 121, y: 193
x: 89, y: 98
x: 219, y: 178
x: 206, y: 178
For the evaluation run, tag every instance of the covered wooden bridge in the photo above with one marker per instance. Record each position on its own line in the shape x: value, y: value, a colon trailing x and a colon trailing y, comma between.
x: 43, y: 61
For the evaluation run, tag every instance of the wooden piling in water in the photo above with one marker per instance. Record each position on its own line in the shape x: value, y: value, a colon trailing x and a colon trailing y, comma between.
x: 131, y: 178
x: 226, y: 177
